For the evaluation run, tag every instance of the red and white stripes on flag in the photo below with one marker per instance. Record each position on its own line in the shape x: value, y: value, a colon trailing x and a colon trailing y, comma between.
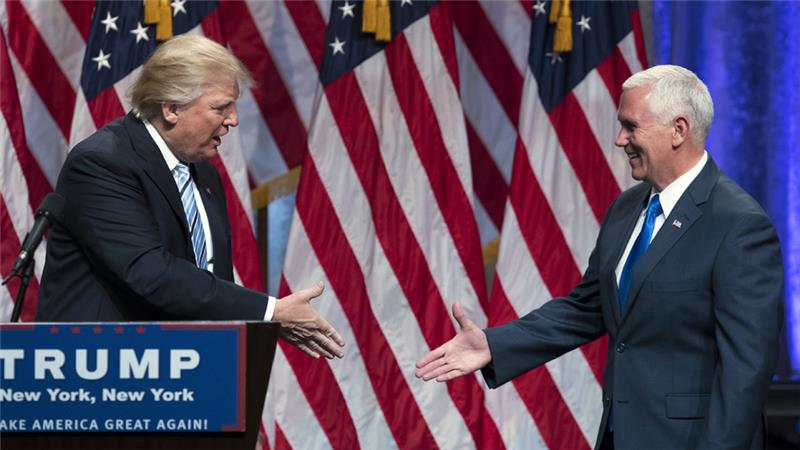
x: 383, y: 216
x: 544, y: 178
x: 415, y: 160
x: 565, y: 173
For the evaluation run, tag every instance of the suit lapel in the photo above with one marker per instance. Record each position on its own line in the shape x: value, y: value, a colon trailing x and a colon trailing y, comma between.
x: 686, y: 212
x: 205, y: 180
x: 213, y: 201
x: 155, y: 167
x: 621, y: 234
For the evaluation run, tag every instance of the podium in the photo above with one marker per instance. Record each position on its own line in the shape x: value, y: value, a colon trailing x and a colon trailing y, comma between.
x: 226, y: 366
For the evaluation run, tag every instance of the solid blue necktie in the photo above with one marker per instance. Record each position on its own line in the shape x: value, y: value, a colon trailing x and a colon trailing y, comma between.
x: 639, y: 246
x: 186, y: 189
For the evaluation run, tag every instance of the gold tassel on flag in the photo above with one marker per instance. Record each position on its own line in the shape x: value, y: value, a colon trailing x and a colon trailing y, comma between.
x: 151, y: 11
x: 555, y: 7
x: 377, y: 19
x: 383, y: 33
x: 369, y: 23
x: 159, y: 12
x: 164, y: 26
x: 562, y: 42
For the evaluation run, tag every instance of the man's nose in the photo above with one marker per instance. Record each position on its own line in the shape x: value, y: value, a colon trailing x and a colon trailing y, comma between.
x: 233, y: 118
x: 622, y: 138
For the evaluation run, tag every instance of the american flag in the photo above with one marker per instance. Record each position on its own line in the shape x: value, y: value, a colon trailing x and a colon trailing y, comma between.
x: 415, y: 155
x: 566, y: 172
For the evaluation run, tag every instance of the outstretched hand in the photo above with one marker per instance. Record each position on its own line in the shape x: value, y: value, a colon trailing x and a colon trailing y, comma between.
x: 467, y: 352
x: 304, y: 328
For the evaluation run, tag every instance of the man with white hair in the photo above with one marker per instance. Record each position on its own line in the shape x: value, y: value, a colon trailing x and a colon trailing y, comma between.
x: 145, y: 234
x: 686, y: 278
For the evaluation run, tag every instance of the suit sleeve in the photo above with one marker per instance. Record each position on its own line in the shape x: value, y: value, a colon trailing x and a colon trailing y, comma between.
x: 108, y: 215
x: 557, y: 327
x: 748, y: 311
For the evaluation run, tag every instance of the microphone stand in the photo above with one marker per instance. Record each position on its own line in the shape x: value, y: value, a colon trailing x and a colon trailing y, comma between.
x: 24, y: 279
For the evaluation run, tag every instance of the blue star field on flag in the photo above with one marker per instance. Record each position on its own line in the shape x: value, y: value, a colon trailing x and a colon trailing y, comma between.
x: 347, y: 46
x: 558, y: 73
x: 120, y: 41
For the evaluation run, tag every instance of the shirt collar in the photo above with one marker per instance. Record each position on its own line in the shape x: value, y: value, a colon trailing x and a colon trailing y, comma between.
x: 671, y: 194
x: 169, y: 157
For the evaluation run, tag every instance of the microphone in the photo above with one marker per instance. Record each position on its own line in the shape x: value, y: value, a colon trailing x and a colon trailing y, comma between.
x: 49, y: 212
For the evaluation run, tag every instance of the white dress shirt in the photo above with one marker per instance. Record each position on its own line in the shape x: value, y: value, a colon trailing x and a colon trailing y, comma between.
x: 172, y: 161
x: 669, y: 198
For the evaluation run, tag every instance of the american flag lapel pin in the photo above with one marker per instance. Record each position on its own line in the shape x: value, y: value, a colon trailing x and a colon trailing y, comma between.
x: 676, y: 223
x: 208, y: 191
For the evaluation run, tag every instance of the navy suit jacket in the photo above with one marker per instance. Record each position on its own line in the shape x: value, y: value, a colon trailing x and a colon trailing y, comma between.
x: 123, y: 250
x: 691, y: 357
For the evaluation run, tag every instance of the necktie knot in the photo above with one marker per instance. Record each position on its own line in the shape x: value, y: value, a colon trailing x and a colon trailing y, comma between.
x: 181, y: 172
x: 654, y: 207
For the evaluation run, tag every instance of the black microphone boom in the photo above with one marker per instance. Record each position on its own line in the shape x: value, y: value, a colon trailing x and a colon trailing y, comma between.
x: 50, y: 211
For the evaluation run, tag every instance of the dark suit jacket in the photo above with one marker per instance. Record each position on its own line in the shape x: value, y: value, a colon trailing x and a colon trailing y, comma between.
x: 691, y: 357
x: 123, y: 250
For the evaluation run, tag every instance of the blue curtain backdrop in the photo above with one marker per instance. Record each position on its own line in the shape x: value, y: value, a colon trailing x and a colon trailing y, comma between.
x: 748, y: 53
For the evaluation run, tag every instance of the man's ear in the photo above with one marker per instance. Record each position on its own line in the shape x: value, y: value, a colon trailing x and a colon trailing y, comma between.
x: 170, y: 112
x: 680, y: 131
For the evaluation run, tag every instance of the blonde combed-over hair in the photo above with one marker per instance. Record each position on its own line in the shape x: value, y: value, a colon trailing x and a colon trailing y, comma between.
x: 180, y: 70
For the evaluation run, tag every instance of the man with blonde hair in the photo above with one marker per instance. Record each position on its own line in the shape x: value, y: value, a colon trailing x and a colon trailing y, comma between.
x: 686, y: 278
x: 145, y: 233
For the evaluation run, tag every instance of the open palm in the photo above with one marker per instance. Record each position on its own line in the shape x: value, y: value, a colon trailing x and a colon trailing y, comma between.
x: 467, y: 352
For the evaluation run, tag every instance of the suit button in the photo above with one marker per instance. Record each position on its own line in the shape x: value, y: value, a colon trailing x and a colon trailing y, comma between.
x: 621, y: 347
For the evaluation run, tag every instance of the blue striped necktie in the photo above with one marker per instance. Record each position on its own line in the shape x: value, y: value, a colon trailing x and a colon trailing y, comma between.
x: 186, y: 189
x: 639, y: 246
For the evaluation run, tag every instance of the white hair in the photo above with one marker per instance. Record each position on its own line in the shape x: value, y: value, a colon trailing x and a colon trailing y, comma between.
x: 676, y: 91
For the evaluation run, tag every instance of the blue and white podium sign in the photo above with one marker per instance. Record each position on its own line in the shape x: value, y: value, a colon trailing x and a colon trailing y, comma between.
x: 122, y: 377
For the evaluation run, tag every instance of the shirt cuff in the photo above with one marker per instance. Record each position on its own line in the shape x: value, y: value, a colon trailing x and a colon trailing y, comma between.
x: 270, y: 308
